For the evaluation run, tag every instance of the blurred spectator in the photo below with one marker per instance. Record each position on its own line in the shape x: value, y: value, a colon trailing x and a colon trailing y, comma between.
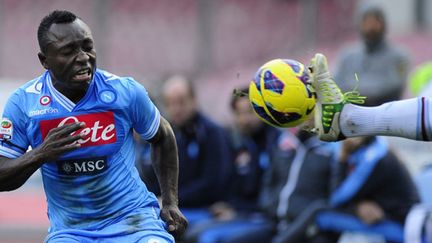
x: 382, y: 69
x: 374, y: 191
x: 294, y: 187
x: 202, y: 147
x: 298, y: 184
x: 251, y: 142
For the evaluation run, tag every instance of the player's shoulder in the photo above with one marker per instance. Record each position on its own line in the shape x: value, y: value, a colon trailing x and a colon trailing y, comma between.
x: 29, y: 89
x: 125, y: 87
x: 109, y: 79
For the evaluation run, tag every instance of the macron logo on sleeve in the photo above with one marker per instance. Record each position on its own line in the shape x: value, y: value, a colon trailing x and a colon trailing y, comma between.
x: 99, y: 130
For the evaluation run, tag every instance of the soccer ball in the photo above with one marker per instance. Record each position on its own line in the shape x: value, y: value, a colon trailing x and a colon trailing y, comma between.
x: 279, y: 93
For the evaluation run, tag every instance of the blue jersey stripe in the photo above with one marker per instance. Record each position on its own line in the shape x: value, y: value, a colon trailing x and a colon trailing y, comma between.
x: 153, y: 127
x: 365, y: 160
x: 10, y: 153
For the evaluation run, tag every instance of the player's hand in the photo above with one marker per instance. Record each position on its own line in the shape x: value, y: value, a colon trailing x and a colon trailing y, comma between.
x: 369, y: 212
x: 222, y: 211
x: 59, y: 141
x: 349, y: 146
x: 176, y: 222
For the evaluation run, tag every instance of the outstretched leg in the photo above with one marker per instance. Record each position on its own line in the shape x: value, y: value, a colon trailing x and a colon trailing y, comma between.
x: 336, y: 118
x: 409, y: 118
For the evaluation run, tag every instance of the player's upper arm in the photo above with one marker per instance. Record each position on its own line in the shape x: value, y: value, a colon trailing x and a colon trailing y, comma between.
x: 145, y: 115
x: 3, y: 159
x: 163, y: 131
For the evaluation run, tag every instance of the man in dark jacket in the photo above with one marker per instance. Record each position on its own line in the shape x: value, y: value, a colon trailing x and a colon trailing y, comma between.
x: 202, y: 147
x: 297, y: 185
x: 294, y: 186
x: 381, y: 66
x: 251, y: 142
x: 374, y: 191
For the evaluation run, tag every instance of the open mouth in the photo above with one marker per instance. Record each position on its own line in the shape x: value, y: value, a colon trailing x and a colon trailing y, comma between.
x: 83, y: 75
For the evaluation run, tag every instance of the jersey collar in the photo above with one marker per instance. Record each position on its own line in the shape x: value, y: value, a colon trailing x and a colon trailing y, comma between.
x: 57, y: 96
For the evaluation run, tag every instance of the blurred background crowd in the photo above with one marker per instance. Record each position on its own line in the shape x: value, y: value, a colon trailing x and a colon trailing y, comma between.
x: 241, y: 180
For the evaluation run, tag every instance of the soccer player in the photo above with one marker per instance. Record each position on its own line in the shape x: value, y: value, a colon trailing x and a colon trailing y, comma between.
x: 373, y: 191
x: 336, y: 117
x: 79, y: 121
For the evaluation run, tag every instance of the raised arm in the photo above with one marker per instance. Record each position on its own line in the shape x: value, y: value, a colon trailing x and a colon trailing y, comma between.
x: 165, y: 164
x: 15, y: 172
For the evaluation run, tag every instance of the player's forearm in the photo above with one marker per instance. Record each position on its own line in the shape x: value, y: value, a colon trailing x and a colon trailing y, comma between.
x: 15, y: 172
x: 165, y: 163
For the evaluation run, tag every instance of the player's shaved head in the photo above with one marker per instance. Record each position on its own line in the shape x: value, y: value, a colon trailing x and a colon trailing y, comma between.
x: 67, y: 47
x: 55, y: 17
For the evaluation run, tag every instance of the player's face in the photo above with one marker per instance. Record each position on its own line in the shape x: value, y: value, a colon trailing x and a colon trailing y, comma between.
x: 245, y: 117
x: 70, y: 56
x: 372, y: 29
x: 179, y: 105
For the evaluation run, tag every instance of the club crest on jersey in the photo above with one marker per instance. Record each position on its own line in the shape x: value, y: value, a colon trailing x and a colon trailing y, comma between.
x: 6, y: 129
x: 107, y: 96
x: 100, y: 128
x: 45, y: 100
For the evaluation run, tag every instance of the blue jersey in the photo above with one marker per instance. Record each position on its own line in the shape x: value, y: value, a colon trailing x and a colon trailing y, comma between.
x: 96, y: 185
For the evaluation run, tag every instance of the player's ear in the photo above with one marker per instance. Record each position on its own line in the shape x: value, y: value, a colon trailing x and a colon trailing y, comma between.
x: 42, y: 59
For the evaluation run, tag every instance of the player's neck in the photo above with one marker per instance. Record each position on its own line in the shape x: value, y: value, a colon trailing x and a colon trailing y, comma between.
x: 73, y: 94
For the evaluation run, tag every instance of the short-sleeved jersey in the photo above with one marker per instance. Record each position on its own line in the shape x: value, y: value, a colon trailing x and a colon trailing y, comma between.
x: 96, y: 185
